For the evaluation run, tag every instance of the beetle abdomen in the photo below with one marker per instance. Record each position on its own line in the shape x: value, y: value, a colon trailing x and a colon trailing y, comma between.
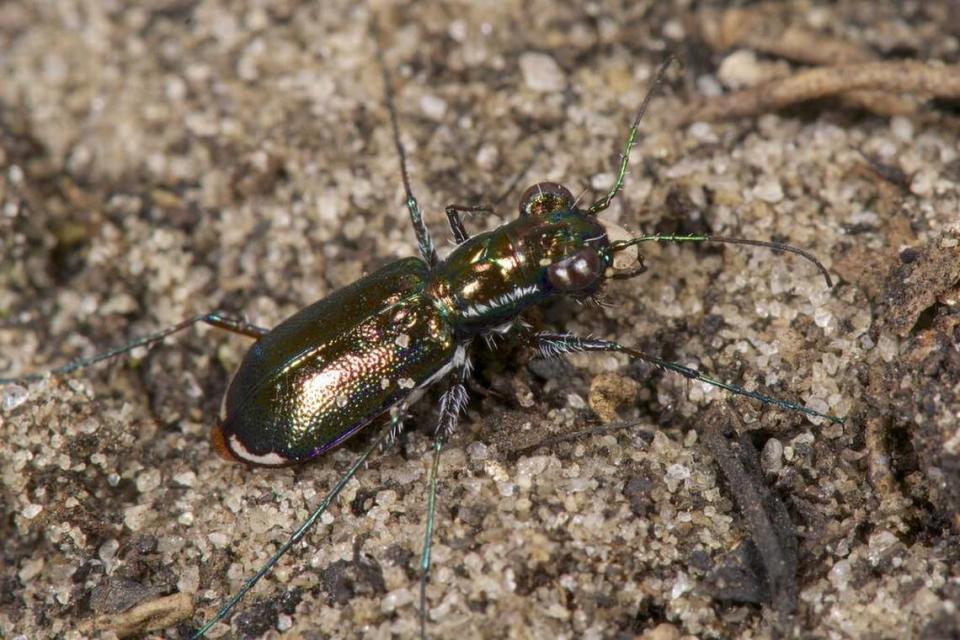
x: 327, y: 371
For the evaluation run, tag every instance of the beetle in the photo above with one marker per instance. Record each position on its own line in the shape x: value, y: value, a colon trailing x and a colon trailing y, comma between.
x: 372, y: 348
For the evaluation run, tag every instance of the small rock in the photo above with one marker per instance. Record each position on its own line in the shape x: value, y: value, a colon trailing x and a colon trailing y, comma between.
x: 768, y: 190
x: 541, y: 72
x: 663, y: 631
x: 610, y: 391
x: 771, y: 459
x: 740, y: 69
x: 13, y: 396
x: 902, y: 127
x: 433, y: 107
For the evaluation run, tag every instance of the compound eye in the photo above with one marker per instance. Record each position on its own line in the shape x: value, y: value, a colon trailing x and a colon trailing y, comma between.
x: 579, y: 272
x: 545, y: 197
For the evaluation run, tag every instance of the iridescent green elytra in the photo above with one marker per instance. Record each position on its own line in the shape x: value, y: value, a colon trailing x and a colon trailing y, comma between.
x: 330, y: 369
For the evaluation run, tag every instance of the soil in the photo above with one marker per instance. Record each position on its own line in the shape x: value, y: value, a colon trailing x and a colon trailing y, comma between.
x: 176, y: 157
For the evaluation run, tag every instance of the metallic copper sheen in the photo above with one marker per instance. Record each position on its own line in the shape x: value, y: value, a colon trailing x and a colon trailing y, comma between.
x: 333, y: 367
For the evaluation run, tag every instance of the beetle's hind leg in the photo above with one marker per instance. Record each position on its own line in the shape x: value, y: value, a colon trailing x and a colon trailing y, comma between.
x: 301, y: 531
x: 452, y: 402
x: 555, y: 344
x: 235, y: 325
x: 215, y: 319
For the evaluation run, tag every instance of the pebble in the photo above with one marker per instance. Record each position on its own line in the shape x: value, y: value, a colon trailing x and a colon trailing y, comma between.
x: 740, y: 69
x: 769, y: 190
x: 433, y: 107
x: 13, y: 396
x: 771, y: 459
x: 541, y: 73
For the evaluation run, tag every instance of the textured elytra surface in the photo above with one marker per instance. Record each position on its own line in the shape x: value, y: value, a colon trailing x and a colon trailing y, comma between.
x: 177, y: 157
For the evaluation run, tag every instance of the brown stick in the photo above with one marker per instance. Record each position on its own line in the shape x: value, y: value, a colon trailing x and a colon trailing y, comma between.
x: 941, y: 81
x: 768, y: 28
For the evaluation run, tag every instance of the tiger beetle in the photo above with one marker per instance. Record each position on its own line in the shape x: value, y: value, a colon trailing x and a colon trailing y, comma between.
x: 369, y: 350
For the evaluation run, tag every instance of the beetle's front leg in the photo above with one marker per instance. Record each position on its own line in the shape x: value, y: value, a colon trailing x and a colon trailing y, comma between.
x: 556, y: 344
x: 460, y: 234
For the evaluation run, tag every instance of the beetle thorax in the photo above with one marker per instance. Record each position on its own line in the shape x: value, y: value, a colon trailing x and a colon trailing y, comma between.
x: 490, y: 279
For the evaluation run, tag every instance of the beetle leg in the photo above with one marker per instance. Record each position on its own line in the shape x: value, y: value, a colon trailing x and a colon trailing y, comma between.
x: 299, y: 533
x: 427, y: 251
x: 453, y: 211
x: 630, y: 272
x: 235, y: 325
x: 452, y: 402
x: 397, y: 416
x: 460, y: 234
x: 555, y: 344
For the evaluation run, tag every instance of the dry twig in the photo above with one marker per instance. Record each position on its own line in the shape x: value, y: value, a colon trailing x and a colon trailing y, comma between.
x: 764, y: 30
x: 145, y: 617
x: 929, y: 80
x: 766, y: 517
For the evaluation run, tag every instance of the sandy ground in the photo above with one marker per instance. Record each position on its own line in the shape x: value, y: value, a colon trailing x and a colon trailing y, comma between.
x: 183, y: 156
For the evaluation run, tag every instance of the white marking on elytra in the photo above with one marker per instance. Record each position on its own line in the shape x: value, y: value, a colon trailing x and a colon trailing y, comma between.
x: 272, y: 459
x: 223, y: 401
x: 342, y: 401
x: 545, y: 262
x: 384, y: 383
x: 402, y: 341
x: 406, y: 383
